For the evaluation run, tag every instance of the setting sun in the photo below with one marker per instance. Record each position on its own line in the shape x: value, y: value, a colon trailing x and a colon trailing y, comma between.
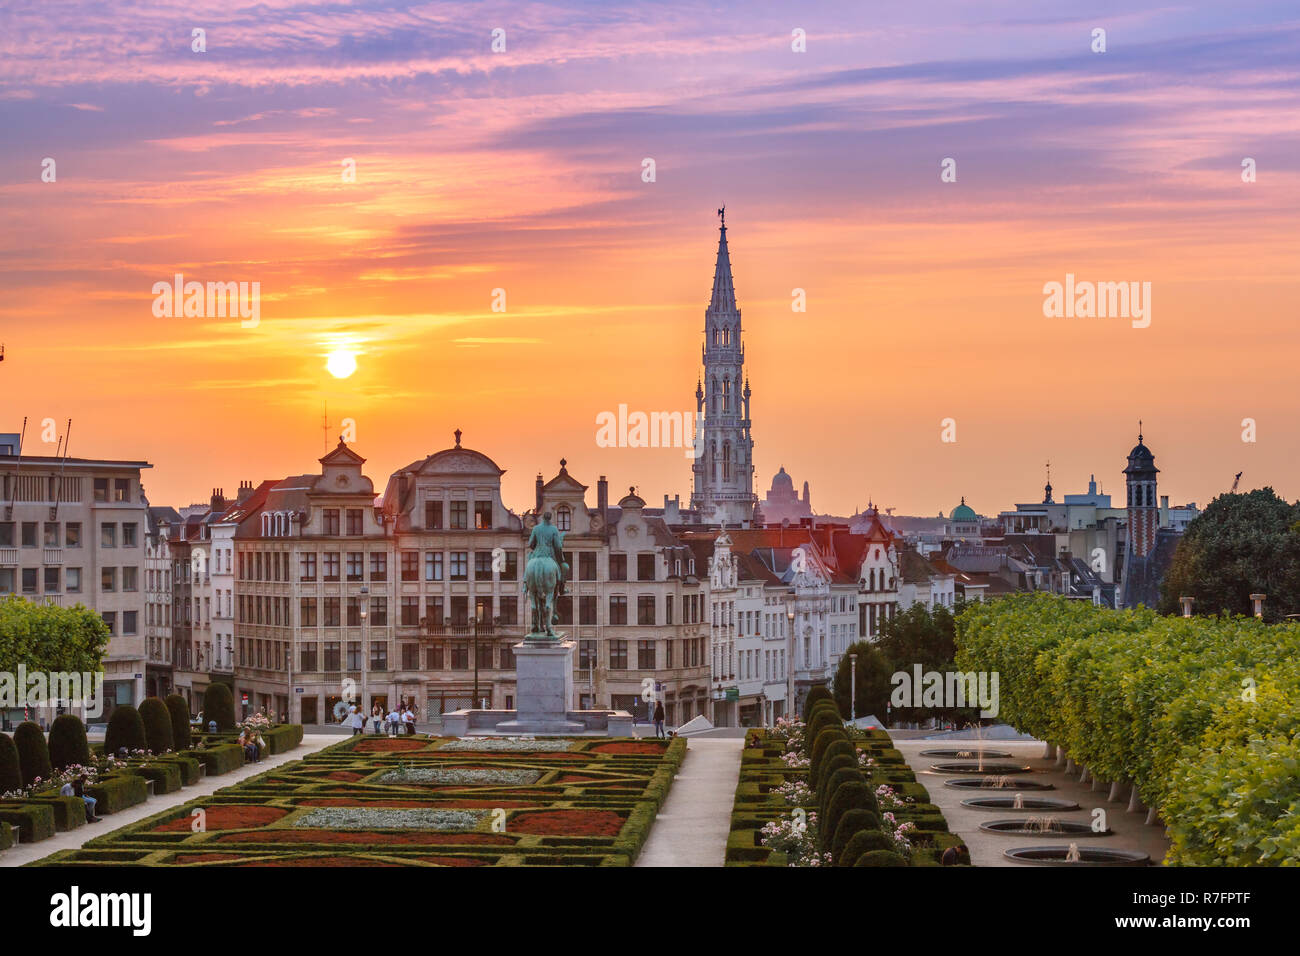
x: 341, y: 363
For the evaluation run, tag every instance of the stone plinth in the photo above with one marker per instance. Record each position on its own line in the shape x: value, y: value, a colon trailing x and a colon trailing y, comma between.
x: 543, y: 689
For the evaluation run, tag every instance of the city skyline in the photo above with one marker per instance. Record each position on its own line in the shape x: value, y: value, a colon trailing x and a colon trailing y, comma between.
x: 523, y: 170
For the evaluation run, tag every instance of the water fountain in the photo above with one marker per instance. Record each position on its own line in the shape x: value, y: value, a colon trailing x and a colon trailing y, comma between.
x: 996, y: 768
x: 1020, y: 802
x: 997, y: 782
x: 1042, y: 826
x: 979, y: 755
x: 1073, y: 855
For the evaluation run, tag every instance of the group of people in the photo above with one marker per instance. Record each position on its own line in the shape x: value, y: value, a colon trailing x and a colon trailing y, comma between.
x: 401, y: 719
x: 77, y: 788
x: 252, y: 744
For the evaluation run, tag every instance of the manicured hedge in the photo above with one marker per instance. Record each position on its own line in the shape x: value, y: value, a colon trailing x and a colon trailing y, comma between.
x: 117, y: 791
x: 179, y: 712
x: 11, y: 774
x: 34, y: 820
x: 166, y: 775
x: 33, y: 752
x: 880, y: 858
x: 282, y: 738
x: 68, y: 744
x: 219, y: 705
x: 125, y: 729
x: 69, y: 812
x: 1198, y: 714
x: 219, y: 759
x: 6, y: 835
x: 157, y: 722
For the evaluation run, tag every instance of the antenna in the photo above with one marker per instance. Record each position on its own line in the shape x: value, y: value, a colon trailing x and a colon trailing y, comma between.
x: 58, y: 493
x: 18, y: 467
x: 325, y: 428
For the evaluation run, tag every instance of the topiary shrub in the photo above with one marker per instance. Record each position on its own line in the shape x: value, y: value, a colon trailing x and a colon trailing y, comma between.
x: 833, y: 782
x: 865, y: 840
x: 157, y: 722
x: 830, y: 764
x: 125, y: 729
x: 819, y: 722
x: 11, y: 774
x: 33, y: 752
x: 179, y: 711
x: 68, y: 744
x: 879, y: 858
x: 817, y: 693
x: 848, y: 796
x: 851, y: 824
x: 831, y: 735
x: 219, y: 705
x: 838, y: 748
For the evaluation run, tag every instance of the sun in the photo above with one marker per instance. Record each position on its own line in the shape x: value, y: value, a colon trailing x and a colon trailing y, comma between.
x: 341, y: 363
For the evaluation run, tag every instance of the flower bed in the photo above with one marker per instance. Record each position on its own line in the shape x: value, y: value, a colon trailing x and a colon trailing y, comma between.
x: 388, y: 801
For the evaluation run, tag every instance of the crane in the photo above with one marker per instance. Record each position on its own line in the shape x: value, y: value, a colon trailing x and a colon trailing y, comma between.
x: 1234, y: 484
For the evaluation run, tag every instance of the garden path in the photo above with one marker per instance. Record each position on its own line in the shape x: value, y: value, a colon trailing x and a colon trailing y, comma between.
x: 692, y: 826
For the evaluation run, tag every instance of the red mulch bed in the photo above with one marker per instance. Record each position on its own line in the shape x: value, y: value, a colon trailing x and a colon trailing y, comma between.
x: 347, y: 776
x: 207, y: 857
x: 452, y: 860
x: 580, y: 778
x: 413, y: 838
x: 224, y: 817
x: 321, y: 861
x: 629, y: 747
x: 389, y: 745
x: 568, y: 822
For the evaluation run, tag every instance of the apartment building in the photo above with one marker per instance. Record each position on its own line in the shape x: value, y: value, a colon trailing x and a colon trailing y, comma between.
x: 72, y: 531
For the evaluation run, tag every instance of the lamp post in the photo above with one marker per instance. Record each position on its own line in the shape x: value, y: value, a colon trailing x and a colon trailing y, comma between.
x: 789, y: 660
x: 478, y: 617
x: 365, y: 649
x: 853, y: 686
x: 1259, y: 604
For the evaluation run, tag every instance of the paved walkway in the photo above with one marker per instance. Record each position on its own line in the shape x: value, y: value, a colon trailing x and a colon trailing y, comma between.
x: 692, y: 826
x: 73, y: 839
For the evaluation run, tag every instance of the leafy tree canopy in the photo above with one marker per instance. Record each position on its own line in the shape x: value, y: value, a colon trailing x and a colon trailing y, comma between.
x: 45, y: 637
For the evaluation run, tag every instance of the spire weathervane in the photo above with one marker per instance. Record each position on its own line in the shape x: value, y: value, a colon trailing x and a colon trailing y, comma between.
x: 722, y: 214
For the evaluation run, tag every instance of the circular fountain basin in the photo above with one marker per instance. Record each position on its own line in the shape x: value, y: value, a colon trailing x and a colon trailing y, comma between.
x: 995, y: 783
x: 1056, y: 854
x: 1022, y: 826
x: 996, y: 769
x: 1027, y: 803
x: 968, y: 754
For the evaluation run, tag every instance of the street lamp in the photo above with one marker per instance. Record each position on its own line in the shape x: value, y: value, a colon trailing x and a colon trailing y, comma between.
x: 789, y: 660
x: 365, y: 648
x: 853, y: 686
x: 478, y: 617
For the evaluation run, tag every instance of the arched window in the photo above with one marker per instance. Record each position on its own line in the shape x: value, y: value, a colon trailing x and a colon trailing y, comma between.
x: 726, y: 460
x: 563, y: 518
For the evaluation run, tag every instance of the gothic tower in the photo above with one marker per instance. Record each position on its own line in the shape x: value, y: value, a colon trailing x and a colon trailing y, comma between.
x: 723, y: 481
x: 1143, y: 512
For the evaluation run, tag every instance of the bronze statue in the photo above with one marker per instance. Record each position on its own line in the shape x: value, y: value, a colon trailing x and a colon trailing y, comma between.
x: 544, y: 577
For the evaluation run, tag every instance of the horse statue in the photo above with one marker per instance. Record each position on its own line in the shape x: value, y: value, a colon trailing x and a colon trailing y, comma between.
x: 544, y: 577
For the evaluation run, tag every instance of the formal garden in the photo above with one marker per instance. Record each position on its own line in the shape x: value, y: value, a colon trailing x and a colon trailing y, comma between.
x: 149, y: 751
x: 1193, y: 717
x: 416, y: 801
x: 815, y: 793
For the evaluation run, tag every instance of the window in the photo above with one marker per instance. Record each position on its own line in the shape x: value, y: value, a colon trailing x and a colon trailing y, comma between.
x: 509, y: 610
x: 29, y: 534
x: 483, y: 609
x: 485, y: 661
x: 101, y: 489
x: 356, y: 523
x: 668, y: 609
x: 586, y: 565
x: 645, y: 567
x: 306, y: 565
x: 379, y: 566
x: 433, y: 658
x: 645, y: 609
x: 433, y: 610
x: 433, y: 565
x: 379, y: 655
x: 507, y: 664
x: 483, y: 515
x: 410, y: 611
x: 587, y: 609
x: 29, y: 580
x: 460, y: 565
x: 51, y: 534
x: 51, y: 580
x: 482, y: 565
x: 129, y: 619
x: 617, y: 609
x: 331, y: 521
x: 511, y: 572
x: 333, y: 660
x: 110, y: 618
x: 354, y: 656
x: 6, y: 580
x: 6, y: 534
x: 307, y: 616
x: 459, y: 515
x: 410, y: 657
x: 307, y: 657
x: 586, y: 655
x: 379, y: 612
x: 129, y: 539
x: 618, y: 567
x: 564, y: 609
x: 433, y: 514
x: 121, y: 489
x: 564, y: 518
x: 645, y: 655
x: 332, y: 612
x: 460, y: 656
x: 331, y: 563
x: 108, y: 579
x: 130, y: 579
x: 72, y: 579
x: 356, y: 566
x: 618, y: 655
x: 410, y: 565
x: 459, y: 611
x: 354, y: 611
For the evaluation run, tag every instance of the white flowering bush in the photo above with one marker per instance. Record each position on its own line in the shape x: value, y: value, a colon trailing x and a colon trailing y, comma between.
x: 508, y: 745
x: 54, y: 781
x: 796, y: 837
x: 795, y: 760
x: 363, y: 818
x: 797, y: 793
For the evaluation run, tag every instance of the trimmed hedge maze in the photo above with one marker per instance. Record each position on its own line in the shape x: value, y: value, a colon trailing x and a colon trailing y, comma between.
x: 854, y: 792
x: 416, y: 801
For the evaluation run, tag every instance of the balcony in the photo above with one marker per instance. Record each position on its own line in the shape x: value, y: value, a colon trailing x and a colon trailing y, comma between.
x: 8, y: 557
x: 54, y: 556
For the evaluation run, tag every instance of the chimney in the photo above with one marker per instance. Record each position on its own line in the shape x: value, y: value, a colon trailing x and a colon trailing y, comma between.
x: 602, y: 501
x: 1164, y: 511
x: 217, y: 502
x: 245, y: 490
x: 539, y: 493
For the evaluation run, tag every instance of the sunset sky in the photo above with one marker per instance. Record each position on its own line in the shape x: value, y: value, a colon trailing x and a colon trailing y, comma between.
x: 522, y: 170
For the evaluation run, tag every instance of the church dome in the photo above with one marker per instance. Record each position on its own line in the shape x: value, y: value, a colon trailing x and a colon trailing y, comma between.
x: 963, y: 512
x: 782, y: 481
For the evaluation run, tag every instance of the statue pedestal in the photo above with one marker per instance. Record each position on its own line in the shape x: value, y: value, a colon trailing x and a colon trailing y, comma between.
x: 543, y: 690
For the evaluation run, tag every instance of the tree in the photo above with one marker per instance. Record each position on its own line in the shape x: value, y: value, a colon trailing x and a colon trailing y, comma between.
x: 873, y: 684
x: 1241, y: 544
x: 219, y: 705
x: 68, y: 744
x: 33, y: 753
x: 125, y: 729
x: 11, y: 774
x: 157, y: 722
x: 45, y: 637
x: 180, y: 715
x: 922, y: 636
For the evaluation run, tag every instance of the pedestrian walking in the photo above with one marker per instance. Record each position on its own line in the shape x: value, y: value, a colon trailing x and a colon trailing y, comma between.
x: 659, y: 718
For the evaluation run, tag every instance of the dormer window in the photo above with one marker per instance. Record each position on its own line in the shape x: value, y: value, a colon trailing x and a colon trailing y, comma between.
x: 564, y: 518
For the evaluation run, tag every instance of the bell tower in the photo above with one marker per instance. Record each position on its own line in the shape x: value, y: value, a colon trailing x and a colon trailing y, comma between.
x: 1143, y: 512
